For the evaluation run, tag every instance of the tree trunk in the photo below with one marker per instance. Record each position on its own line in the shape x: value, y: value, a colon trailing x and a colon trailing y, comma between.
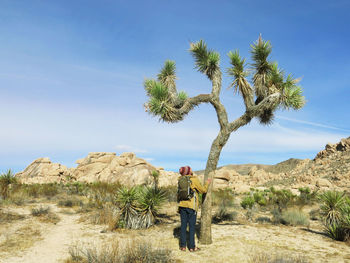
x: 212, y: 162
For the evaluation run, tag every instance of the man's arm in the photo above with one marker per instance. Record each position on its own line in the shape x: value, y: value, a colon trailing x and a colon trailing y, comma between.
x: 198, y: 186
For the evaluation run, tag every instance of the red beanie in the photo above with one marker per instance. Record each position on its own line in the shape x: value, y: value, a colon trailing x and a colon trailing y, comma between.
x: 185, y: 170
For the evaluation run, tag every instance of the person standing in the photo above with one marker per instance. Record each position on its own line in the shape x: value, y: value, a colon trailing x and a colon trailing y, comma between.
x: 188, y: 205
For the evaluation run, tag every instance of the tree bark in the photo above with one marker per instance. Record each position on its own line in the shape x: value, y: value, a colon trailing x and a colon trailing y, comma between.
x: 214, y: 155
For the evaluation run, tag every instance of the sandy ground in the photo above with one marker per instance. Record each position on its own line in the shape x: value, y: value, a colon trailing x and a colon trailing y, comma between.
x: 232, y: 242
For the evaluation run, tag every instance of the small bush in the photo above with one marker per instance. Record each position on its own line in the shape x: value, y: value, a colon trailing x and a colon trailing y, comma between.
x: 264, y: 257
x: 70, y: 202
x: 263, y: 219
x: 223, y: 197
x: 6, y: 180
x: 40, y: 211
x: 306, y: 197
x: 294, y: 218
x: 224, y: 215
x: 49, y: 190
x: 136, y: 252
x: 335, y: 209
x: 8, y: 217
x: 248, y: 202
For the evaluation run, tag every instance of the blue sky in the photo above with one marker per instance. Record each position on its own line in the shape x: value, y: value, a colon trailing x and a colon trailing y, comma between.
x: 72, y: 72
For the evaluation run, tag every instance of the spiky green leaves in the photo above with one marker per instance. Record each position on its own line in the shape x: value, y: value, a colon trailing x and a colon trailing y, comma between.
x: 293, y: 98
x: 206, y: 61
x: 163, y: 97
x: 167, y: 74
x: 260, y: 51
x: 239, y: 75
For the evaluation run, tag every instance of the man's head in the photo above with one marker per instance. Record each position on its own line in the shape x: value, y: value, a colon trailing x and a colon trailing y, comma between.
x: 185, y: 170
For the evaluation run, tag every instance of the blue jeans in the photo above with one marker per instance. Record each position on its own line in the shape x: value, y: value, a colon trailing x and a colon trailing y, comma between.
x: 188, y: 216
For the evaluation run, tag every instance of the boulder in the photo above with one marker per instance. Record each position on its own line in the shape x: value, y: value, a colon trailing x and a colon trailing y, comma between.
x: 42, y: 171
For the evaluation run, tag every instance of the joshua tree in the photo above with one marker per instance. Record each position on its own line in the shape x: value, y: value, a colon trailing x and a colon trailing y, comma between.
x: 269, y: 89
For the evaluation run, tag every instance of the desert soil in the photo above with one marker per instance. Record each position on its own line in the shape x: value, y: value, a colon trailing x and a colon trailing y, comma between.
x: 232, y: 242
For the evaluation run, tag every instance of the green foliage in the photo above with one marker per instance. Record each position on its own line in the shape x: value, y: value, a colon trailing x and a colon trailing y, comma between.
x: 333, y: 205
x: 167, y: 74
x: 223, y: 197
x: 206, y: 61
x: 294, y: 217
x: 281, y: 198
x: 306, y: 197
x: 40, y: 211
x: 139, y: 206
x: 223, y: 214
x: 6, y: 179
x: 335, y: 209
x: 247, y: 202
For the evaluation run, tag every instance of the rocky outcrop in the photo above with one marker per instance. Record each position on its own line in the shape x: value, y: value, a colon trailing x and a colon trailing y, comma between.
x: 329, y: 170
x: 331, y: 149
x: 126, y: 169
x: 43, y: 171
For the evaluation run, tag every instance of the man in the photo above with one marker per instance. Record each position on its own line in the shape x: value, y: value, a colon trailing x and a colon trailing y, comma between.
x: 188, y: 206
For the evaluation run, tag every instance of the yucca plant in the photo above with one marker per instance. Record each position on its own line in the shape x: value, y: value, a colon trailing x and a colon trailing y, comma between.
x: 268, y: 90
x: 150, y: 201
x: 6, y: 179
x: 335, y: 209
x: 332, y: 206
x: 127, y: 200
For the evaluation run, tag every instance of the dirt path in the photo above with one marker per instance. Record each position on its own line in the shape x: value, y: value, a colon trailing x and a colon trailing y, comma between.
x: 56, y: 240
x: 231, y: 242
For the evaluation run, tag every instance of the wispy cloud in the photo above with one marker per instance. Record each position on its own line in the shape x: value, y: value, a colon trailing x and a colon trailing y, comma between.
x: 312, y: 123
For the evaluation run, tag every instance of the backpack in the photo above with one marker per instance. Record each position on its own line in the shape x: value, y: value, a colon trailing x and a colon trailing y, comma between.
x: 184, y: 190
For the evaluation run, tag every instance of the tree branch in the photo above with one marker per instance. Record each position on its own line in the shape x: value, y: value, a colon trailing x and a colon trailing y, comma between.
x: 190, y: 103
x: 254, y: 111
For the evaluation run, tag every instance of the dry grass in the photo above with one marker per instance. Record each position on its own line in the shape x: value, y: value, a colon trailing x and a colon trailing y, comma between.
x: 264, y: 257
x: 21, y: 239
x: 135, y: 251
x: 45, y: 215
x: 6, y: 217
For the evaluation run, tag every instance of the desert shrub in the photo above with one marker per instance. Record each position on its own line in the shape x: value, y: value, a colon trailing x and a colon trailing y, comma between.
x: 150, y: 200
x: 294, y: 217
x: 306, y: 196
x: 265, y: 257
x: 70, y: 202
x: 108, y: 215
x: 170, y: 193
x: 40, y: 211
x: 263, y: 219
x: 48, y: 190
x: 260, y: 198
x: 223, y: 214
x: 100, y: 193
x: 32, y: 190
x: 127, y: 199
x: 139, y: 251
x: 247, y: 202
x: 6, y: 180
x: 45, y: 215
x: 332, y: 206
x: 139, y: 206
x: 223, y: 197
x: 76, y: 188
x: 335, y: 209
x: 315, y: 214
x: 281, y: 198
x: 8, y: 217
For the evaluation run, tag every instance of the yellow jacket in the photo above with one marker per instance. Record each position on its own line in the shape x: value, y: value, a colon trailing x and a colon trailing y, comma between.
x: 193, y: 203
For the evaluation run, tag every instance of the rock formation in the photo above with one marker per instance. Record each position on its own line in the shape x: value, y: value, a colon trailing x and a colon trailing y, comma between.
x: 329, y: 170
x: 43, y: 171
